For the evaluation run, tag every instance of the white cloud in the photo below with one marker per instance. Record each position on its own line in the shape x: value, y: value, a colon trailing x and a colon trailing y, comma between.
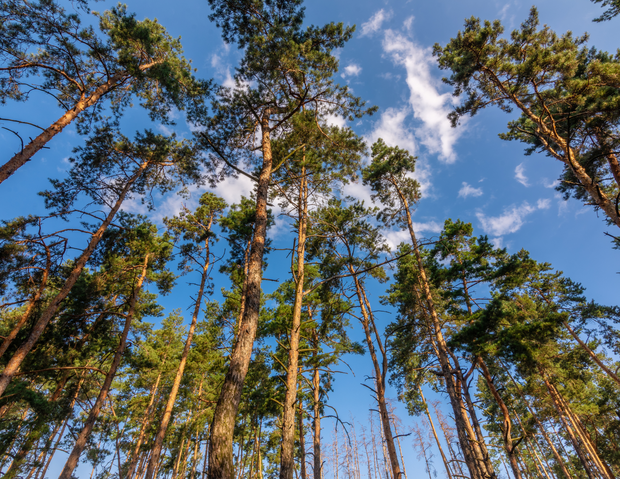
x: 358, y: 191
x: 520, y: 175
x: 511, y: 219
x: 468, y: 190
x: 374, y: 24
x: 429, y: 106
x: 392, y: 128
x: 335, y: 120
x: 395, y: 237
x: 351, y: 70
x: 166, y: 130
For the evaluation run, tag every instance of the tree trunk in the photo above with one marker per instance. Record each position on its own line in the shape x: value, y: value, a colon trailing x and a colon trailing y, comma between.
x: 479, y: 466
x: 507, y: 432
x: 222, y: 429
x: 50, y: 132
x: 287, y: 452
x: 39, y: 427
x: 592, y: 354
x: 430, y: 421
x: 80, y: 443
x: 302, y: 442
x: 316, y: 436
x: 569, y: 430
x: 545, y: 133
x: 379, y: 374
x: 161, y: 433
x: 15, y: 362
x: 131, y: 469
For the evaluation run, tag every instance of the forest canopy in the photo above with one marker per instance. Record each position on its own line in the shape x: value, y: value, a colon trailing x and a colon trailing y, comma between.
x: 220, y: 270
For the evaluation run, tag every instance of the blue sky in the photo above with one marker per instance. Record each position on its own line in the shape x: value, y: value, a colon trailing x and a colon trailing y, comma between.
x: 466, y: 173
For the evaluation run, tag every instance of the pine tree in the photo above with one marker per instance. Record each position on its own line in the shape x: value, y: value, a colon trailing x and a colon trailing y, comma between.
x: 81, y: 67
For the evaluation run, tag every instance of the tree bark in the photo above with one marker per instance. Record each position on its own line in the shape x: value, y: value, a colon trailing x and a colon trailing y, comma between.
x: 15, y: 362
x: 545, y: 133
x: 302, y: 442
x: 430, y: 421
x: 131, y: 469
x: 316, y: 393
x: 379, y: 374
x: 479, y: 466
x: 80, y: 443
x: 507, y: 432
x: 50, y: 132
x: 163, y: 427
x: 221, y: 441
x: 287, y: 451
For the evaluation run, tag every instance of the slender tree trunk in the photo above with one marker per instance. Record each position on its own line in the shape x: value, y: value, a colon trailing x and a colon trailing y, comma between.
x: 302, y: 442
x: 177, y: 463
x: 15, y: 362
x: 400, y: 449
x: 379, y: 373
x: 287, y: 451
x: 145, y: 422
x: 584, y: 436
x: 418, y: 435
x: 548, y: 135
x: 592, y: 354
x: 448, y: 436
x: 316, y: 436
x: 50, y: 132
x: 479, y: 466
x: 39, y: 428
x: 161, y: 432
x: 222, y: 429
x: 46, y: 135
x: 507, y: 430
x: 80, y: 443
x: 543, y: 430
x: 437, y: 441
x: 569, y: 430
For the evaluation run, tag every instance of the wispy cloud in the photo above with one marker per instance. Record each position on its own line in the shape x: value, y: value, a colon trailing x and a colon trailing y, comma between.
x: 520, y: 175
x: 429, y: 105
x: 222, y: 68
x: 408, y: 23
x: 468, y: 190
x: 376, y: 21
x: 511, y: 220
x: 550, y: 184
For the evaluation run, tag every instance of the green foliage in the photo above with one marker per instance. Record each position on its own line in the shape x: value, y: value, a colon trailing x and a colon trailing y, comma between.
x: 40, y: 39
x: 611, y: 12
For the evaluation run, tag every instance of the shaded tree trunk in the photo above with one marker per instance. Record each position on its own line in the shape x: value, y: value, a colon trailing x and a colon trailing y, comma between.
x: 15, y: 362
x: 222, y: 429
x: 163, y: 426
x: 287, y: 451
x: 380, y: 372
x: 80, y: 443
